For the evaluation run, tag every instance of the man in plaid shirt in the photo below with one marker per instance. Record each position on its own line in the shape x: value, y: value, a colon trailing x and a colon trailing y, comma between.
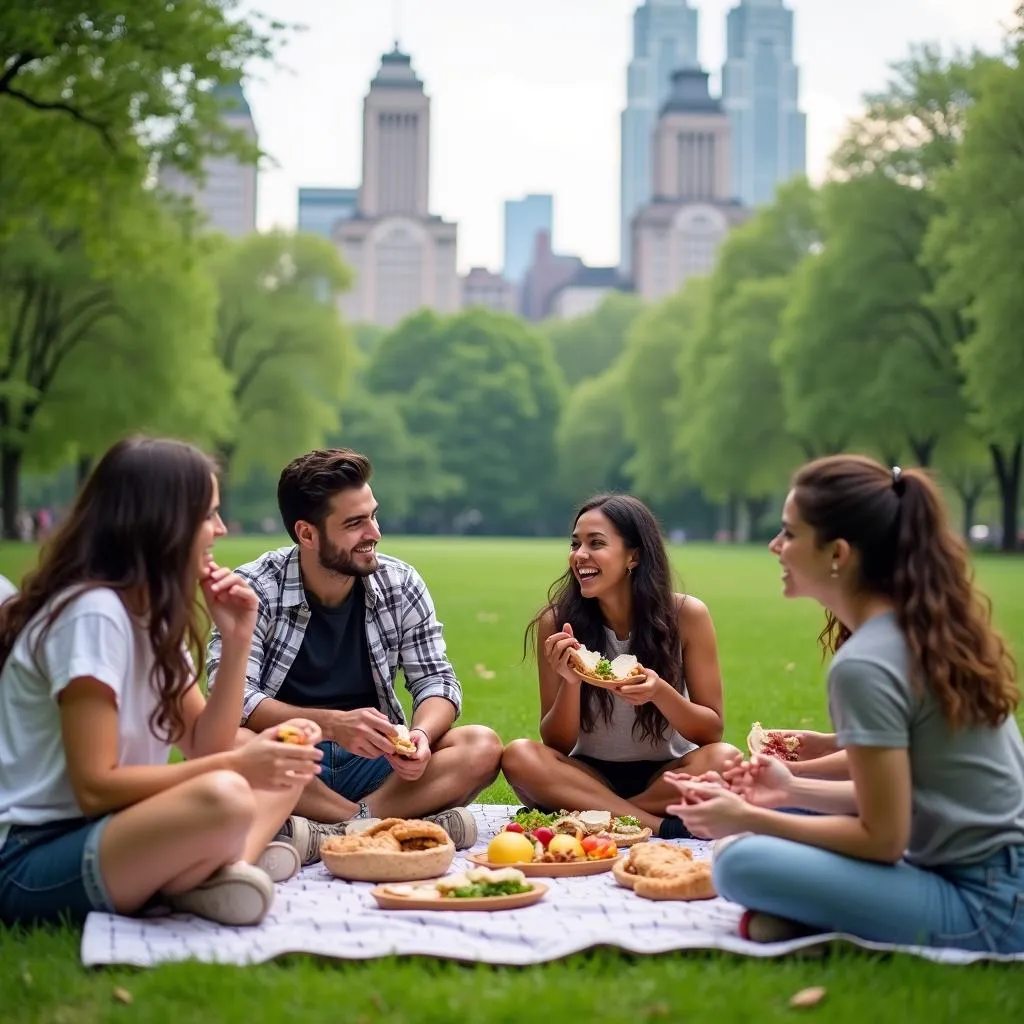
x: 336, y: 622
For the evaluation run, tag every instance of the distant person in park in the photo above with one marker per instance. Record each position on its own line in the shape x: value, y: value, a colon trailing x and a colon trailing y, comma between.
x: 608, y: 749
x: 97, y: 684
x: 925, y: 844
x: 336, y: 624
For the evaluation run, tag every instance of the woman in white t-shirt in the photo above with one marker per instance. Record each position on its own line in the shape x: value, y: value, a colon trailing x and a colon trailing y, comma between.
x: 97, y: 684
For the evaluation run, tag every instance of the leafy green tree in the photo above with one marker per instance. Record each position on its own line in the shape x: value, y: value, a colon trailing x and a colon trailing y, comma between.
x: 976, y: 245
x: 593, y: 451
x: 483, y: 387
x: 588, y: 345
x: 654, y: 388
x: 281, y: 341
x: 92, y: 347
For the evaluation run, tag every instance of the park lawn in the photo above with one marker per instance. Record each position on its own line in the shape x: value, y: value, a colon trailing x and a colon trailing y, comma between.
x: 486, y: 591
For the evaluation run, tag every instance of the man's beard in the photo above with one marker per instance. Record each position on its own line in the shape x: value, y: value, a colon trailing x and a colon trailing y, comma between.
x: 335, y: 560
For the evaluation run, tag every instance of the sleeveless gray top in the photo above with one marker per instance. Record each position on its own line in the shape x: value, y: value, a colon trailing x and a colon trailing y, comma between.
x: 614, y: 740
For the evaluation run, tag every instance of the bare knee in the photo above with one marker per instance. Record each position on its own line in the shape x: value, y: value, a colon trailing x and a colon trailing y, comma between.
x: 480, y: 751
x: 223, y: 799
x: 712, y: 758
x: 521, y: 760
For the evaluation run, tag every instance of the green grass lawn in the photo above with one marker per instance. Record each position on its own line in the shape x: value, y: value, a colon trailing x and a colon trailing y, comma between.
x: 485, y: 592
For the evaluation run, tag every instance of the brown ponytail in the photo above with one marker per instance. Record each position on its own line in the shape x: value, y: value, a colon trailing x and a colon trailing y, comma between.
x: 896, y: 522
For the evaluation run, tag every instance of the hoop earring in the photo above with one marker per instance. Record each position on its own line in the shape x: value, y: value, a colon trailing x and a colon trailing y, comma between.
x: 629, y: 570
x: 835, y: 570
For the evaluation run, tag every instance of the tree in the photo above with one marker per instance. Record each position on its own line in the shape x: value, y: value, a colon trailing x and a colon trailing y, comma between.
x: 732, y: 429
x: 593, y: 451
x: 138, y: 76
x: 483, y: 387
x: 407, y: 470
x: 588, y: 345
x: 281, y: 341
x: 976, y: 246
x: 653, y: 384
x: 91, y: 347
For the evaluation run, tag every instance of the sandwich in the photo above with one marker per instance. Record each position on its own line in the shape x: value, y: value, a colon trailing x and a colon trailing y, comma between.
x: 594, y: 667
x: 773, y: 744
x: 404, y: 745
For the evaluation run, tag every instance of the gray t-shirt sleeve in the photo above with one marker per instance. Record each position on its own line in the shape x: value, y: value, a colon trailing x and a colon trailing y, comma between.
x: 870, y: 706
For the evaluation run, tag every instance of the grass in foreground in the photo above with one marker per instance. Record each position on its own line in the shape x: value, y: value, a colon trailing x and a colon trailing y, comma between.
x: 485, y: 592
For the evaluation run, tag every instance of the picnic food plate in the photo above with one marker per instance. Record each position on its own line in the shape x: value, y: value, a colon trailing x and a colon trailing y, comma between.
x: 663, y: 871
x: 594, y: 668
x: 436, y: 895
x: 393, y: 850
x: 552, y: 869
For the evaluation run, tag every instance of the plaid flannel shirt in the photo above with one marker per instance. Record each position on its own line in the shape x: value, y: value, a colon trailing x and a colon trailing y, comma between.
x: 402, y: 632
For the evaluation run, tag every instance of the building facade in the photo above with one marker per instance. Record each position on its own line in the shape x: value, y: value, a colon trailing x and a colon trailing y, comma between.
x: 482, y: 287
x: 760, y: 92
x: 321, y: 208
x: 525, y: 219
x: 664, y: 41
x: 225, y: 196
x: 585, y: 291
x: 403, y: 258
x: 677, y: 234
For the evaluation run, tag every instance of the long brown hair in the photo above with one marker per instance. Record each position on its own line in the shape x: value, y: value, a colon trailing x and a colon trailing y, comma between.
x: 897, y: 523
x: 654, y: 629
x: 132, y: 528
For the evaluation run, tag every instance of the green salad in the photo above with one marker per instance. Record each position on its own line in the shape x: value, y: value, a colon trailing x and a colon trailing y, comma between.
x: 534, y: 819
x: 477, y: 889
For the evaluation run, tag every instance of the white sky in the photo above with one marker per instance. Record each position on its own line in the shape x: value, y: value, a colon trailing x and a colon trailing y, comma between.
x: 526, y: 96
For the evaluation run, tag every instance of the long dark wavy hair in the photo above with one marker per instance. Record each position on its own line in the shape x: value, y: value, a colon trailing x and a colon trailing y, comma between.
x: 654, y: 628
x: 909, y: 553
x: 132, y: 528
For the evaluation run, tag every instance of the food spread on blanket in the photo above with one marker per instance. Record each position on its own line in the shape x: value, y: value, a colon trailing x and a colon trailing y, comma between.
x: 548, y: 847
x: 595, y: 667
x: 662, y: 871
x: 402, y: 741
x: 582, y: 825
x: 772, y: 743
x: 390, y: 836
x: 477, y: 883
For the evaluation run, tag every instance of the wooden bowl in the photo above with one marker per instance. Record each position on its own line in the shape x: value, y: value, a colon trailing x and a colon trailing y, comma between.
x: 388, y: 865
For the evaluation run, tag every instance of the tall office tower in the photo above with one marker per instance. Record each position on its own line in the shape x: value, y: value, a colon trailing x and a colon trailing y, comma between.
x: 226, y: 196
x: 677, y: 234
x: 664, y: 41
x: 403, y: 258
x: 760, y: 91
x: 525, y: 219
x: 321, y: 208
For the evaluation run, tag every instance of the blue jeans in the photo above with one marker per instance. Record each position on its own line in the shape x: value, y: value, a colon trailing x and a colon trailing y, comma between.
x: 975, y: 906
x: 50, y: 873
x: 350, y: 775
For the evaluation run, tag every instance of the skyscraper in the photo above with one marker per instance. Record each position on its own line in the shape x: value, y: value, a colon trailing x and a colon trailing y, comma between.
x: 226, y: 196
x: 524, y: 219
x: 402, y: 256
x: 664, y: 41
x: 321, y: 208
x: 760, y: 89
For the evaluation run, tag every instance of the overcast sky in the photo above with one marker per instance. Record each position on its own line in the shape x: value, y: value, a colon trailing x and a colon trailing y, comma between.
x: 526, y: 96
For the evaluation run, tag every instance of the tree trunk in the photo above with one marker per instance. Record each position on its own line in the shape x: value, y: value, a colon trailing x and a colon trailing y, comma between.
x: 10, y: 467
x: 756, y: 508
x: 970, y: 501
x: 1007, y: 463
x: 225, y: 456
x: 923, y: 449
x: 732, y: 517
x: 84, y: 468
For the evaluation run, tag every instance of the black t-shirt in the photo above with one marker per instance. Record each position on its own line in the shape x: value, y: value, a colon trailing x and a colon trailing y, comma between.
x: 332, y: 668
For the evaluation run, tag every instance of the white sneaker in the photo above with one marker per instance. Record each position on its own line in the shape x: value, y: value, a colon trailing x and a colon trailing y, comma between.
x: 280, y: 861
x: 236, y: 894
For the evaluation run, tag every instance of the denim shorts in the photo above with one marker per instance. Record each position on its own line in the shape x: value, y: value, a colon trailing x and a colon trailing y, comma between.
x: 349, y: 775
x: 51, y: 873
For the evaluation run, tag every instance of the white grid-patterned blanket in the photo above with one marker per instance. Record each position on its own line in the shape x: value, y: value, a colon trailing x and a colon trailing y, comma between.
x: 318, y: 914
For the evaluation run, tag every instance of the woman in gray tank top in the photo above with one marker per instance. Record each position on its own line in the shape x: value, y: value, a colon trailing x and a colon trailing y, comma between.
x: 607, y: 750
x: 925, y: 844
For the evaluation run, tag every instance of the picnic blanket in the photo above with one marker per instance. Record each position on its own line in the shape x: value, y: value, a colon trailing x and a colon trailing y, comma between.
x: 317, y: 914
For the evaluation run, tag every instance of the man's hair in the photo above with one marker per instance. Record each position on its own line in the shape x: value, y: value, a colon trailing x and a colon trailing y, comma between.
x: 308, y: 483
